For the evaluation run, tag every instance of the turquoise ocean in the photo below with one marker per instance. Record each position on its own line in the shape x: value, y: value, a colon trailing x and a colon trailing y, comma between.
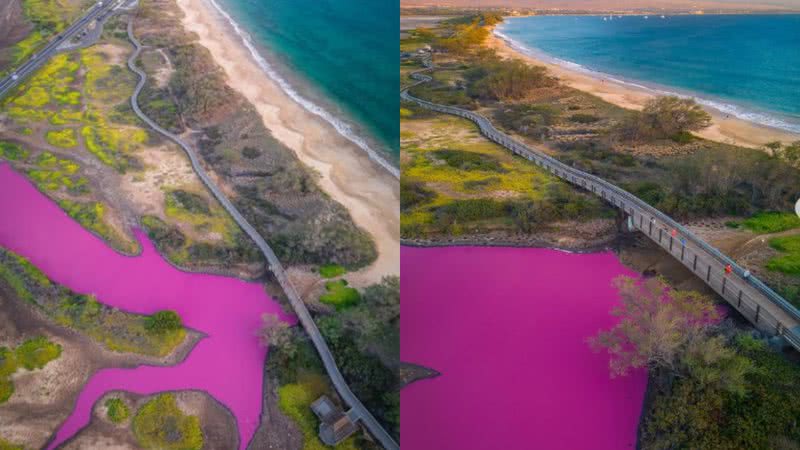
x: 337, y: 58
x: 746, y: 66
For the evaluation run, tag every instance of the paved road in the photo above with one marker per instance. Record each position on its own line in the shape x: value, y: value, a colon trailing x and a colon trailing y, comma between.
x: 767, y: 310
x: 39, y: 58
x: 274, y: 266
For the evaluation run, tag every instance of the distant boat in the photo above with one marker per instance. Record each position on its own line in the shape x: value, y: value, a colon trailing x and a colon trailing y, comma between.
x: 663, y: 17
x: 605, y: 18
x: 646, y: 17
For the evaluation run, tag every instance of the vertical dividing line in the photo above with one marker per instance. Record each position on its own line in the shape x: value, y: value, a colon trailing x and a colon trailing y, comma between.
x: 708, y: 274
x: 694, y: 265
x: 724, y: 281
x: 758, y: 311
x: 739, y: 304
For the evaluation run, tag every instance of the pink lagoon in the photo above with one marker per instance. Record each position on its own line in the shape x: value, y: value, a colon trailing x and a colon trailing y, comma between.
x: 507, y: 330
x: 228, y: 363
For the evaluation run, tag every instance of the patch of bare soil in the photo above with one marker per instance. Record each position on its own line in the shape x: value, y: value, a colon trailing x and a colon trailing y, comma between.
x: 44, y: 398
x: 217, y: 423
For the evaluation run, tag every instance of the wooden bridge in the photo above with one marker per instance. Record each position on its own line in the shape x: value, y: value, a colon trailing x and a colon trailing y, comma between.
x: 762, y: 306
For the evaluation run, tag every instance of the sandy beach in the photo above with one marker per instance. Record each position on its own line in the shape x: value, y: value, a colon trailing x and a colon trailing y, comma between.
x: 724, y: 128
x: 369, y: 192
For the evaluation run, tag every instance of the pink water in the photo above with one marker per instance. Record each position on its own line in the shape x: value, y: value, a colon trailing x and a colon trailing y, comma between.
x: 507, y: 329
x: 228, y: 363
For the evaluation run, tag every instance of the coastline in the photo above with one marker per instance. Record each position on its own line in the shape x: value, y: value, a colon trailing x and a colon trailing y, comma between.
x: 347, y: 173
x: 725, y: 128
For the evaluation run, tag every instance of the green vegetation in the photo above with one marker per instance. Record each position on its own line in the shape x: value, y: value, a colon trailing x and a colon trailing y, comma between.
x: 189, y: 202
x: 62, y: 138
x: 160, y: 424
x: 691, y: 415
x: 467, y: 33
x: 789, y: 263
x: 91, y: 216
x: 295, y: 401
x: 468, y: 160
x: 117, y: 410
x: 12, y: 151
x: 339, y: 295
x: 117, y: 330
x: 331, y: 270
x: 772, y: 222
x: 163, y: 322
x: 35, y: 353
x: 32, y: 354
x: 665, y: 117
x: 6, y: 445
x: 712, y: 385
x: 54, y: 173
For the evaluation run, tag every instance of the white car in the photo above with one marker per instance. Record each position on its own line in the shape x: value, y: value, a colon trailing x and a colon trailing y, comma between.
x: 14, y: 77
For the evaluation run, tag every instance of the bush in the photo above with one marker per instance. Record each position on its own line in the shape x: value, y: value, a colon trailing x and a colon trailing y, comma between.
x: 167, y: 238
x: 163, y: 322
x: 464, y: 160
x: 8, y: 362
x: 251, y: 152
x: 413, y: 193
x: 160, y: 424
x: 666, y: 117
x: 331, y: 270
x: 469, y: 210
x: 340, y: 295
x: 187, y: 201
x: 531, y: 120
x: 117, y: 410
x: 35, y: 353
x: 584, y: 118
x: 6, y: 389
x: 494, y: 78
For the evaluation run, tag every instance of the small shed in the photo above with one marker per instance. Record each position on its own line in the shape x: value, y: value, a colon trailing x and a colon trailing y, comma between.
x: 335, y: 425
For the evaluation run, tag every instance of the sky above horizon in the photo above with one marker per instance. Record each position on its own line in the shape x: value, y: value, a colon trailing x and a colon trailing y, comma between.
x: 615, y: 4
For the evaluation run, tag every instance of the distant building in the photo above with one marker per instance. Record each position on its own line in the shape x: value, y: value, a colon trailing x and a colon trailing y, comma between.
x: 335, y: 425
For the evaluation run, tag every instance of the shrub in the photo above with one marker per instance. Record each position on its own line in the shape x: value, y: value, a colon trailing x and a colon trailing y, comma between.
x: 494, y: 78
x: 11, y: 151
x: 251, y: 152
x: 187, y: 201
x: 331, y: 270
x: 340, y: 295
x: 469, y: 210
x: 163, y: 322
x: 117, y: 410
x: 6, y: 389
x: 531, y: 120
x: 464, y: 160
x: 584, y: 118
x: 666, y: 117
x: 35, y: 353
x: 62, y: 138
x: 789, y: 263
x: 8, y: 362
x: 413, y: 193
x: 160, y: 424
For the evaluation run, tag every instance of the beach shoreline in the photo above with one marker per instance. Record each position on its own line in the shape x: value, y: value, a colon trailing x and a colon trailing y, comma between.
x: 346, y: 172
x: 725, y: 128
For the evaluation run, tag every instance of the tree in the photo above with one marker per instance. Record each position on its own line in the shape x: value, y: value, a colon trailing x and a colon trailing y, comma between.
x: 672, y: 115
x: 671, y: 332
x: 278, y: 334
x: 666, y: 117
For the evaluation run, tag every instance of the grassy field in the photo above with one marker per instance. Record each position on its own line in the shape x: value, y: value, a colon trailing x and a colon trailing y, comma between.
x: 117, y: 410
x: 457, y: 182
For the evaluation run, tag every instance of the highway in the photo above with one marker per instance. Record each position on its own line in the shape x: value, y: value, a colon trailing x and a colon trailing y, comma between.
x: 358, y: 409
x: 768, y: 311
x: 19, y: 74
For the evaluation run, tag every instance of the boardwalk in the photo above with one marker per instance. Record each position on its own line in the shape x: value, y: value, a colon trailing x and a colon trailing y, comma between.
x: 767, y: 310
x: 360, y: 412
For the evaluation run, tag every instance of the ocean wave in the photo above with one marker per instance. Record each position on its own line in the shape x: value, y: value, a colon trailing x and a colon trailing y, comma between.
x: 339, y: 125
x: 738, y: 111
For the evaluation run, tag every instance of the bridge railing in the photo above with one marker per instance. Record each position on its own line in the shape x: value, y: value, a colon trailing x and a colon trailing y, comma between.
x: 609, y: 191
